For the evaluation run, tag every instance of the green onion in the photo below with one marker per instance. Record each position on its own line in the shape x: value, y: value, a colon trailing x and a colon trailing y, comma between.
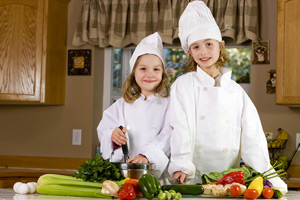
x: 271, y: 175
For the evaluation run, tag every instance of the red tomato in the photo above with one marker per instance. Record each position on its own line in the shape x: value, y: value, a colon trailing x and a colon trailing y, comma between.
x: 235, y: 190
x: 135, y: 183
x: 268, y: 193
x: 251, y: 194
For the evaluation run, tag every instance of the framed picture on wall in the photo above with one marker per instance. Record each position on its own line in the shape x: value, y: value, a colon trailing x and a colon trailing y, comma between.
x: 261, y: 52
x: 271, y: 81
x: 79, y: 62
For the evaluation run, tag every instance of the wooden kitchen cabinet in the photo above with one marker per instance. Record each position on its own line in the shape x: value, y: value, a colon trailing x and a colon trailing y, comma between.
x: 288, y: 53
x: 33, y: 39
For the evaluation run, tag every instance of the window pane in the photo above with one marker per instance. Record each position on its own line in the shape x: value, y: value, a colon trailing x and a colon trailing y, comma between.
x: 239, y: 61
x: 175, y: 63
x: 117, y: 74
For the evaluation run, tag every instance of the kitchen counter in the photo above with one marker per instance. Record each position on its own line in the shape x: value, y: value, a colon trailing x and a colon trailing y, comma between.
x: 9, y: 194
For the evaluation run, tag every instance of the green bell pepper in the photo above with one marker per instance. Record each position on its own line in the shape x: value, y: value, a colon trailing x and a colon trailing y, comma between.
x: 149, y: 186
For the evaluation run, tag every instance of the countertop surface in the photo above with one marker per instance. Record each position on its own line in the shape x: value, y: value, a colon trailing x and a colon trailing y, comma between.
x: 9, y: 194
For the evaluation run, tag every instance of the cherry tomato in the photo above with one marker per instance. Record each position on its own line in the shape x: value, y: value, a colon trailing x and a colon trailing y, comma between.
x: 251, y: 194
x: 235, y: 190
x: 268, y: 193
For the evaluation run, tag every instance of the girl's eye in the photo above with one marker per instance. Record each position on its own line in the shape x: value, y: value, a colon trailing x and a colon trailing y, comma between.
x: 195, y: 47
x: 209, y: 44
x: 156, y: 69
x: 142, y: 68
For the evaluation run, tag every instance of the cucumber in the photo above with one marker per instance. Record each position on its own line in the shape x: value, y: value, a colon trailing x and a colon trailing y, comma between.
x: 277, y: 194
x: 185, y: 189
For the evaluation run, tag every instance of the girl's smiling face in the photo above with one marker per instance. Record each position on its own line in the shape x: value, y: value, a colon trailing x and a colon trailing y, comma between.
x: 205, y: 52
x: 148, y: 73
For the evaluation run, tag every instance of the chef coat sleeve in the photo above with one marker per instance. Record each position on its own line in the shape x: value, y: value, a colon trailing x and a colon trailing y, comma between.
x: 182, y: 144
x: 158, y: 151
x: 112, y: 118
x: 254, y: 148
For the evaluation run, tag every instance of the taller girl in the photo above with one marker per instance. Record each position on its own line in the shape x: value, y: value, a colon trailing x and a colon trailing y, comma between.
x: 143, y: 108
x: 215, y: 122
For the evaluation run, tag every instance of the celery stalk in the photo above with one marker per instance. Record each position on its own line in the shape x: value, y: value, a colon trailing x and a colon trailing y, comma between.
x: 54, y: 184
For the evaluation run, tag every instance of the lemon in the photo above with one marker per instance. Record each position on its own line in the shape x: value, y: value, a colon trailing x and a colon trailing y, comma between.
x: 257, y: 184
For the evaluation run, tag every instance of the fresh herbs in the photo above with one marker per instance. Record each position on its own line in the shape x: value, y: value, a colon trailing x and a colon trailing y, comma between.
x: 98, y: 170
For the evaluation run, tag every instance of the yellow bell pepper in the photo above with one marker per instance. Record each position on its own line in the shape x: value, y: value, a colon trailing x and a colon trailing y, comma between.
x: 257, y: 184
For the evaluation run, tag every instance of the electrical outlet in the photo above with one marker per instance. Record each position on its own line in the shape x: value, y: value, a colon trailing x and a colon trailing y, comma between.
x: 76, y: 137
x: 297, y: 140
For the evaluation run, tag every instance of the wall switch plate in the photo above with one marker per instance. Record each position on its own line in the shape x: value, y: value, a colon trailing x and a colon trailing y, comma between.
x: 297, y: 140
x: 76, y: 137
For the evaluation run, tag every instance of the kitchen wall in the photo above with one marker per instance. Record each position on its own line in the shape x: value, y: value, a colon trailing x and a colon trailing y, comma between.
x: 46, y: 131
x: 273, y: 116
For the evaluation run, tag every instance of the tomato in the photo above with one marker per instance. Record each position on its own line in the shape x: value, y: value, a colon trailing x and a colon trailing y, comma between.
x: 268, y: 193
x: 135, y: 183
x: 251, y: 194
x: 235, y: 190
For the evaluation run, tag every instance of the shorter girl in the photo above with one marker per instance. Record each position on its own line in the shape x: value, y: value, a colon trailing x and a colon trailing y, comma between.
x: 143, y: 108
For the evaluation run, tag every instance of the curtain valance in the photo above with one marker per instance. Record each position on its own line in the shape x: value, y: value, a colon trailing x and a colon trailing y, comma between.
x: 119, y: 23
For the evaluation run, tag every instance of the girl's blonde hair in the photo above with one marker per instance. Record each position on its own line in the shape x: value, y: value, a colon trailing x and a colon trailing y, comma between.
x: 132, y: 91
x: 192, y: 65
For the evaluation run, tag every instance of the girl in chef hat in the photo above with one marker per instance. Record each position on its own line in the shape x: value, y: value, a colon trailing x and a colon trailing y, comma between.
x: 142, y: 111
x: 215, y: 123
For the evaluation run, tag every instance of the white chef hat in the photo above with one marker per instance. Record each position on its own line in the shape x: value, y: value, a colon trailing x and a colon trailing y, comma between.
x: 197, y: 23
x: 151, y: 44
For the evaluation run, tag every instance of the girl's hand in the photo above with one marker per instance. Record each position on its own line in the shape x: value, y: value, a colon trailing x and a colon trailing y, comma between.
x: 138, y: 159
x: 118, y: 136
x: 180, y: 176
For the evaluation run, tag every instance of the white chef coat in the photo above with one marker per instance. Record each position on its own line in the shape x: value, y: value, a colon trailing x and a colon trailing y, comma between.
x: 214, y: 126
x: 149, y: 132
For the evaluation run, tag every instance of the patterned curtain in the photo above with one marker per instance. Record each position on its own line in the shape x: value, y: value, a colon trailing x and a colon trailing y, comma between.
x: 119, y: 23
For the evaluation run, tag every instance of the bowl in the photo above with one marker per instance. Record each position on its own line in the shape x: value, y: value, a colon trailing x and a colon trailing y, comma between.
x: 135, y: 170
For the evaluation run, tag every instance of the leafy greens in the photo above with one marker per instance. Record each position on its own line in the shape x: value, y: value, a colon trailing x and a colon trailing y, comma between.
x: 98, y: 170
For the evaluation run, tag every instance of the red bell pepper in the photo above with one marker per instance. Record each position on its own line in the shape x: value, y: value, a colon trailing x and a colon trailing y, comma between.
x: 232, y: 177
x: 127, y: 192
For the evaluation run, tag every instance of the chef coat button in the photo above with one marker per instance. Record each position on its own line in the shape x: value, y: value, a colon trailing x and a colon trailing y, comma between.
x: 153, y: 129
x: 204, y: 88
x: 202, y: 117
x: 225, y: 150
x: 198, y: 147
x: 230, y: 92
x: 227, y: 121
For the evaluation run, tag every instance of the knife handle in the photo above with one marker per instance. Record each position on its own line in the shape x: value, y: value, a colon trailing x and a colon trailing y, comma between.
x: 124, y: 146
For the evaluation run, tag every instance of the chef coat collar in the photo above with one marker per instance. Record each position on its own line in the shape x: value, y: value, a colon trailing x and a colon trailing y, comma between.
x: 149, y: 98
x: 207, y: 80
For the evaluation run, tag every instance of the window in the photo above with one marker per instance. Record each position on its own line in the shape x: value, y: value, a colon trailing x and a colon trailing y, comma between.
x: 239, y: 61
x: 117, y: 68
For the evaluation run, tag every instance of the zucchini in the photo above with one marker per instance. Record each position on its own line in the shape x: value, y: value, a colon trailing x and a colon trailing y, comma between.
x: 185, y: 189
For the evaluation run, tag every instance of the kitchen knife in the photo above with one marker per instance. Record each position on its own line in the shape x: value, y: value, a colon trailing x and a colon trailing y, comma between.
x: 124, y: 148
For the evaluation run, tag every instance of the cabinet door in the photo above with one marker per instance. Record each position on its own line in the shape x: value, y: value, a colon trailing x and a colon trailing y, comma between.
x: 21, y: 31
x: 288, y: 52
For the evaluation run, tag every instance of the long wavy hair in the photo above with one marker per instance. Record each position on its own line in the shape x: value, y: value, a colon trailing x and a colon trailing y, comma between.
x: 192, y: 65
x: 132, y: 91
